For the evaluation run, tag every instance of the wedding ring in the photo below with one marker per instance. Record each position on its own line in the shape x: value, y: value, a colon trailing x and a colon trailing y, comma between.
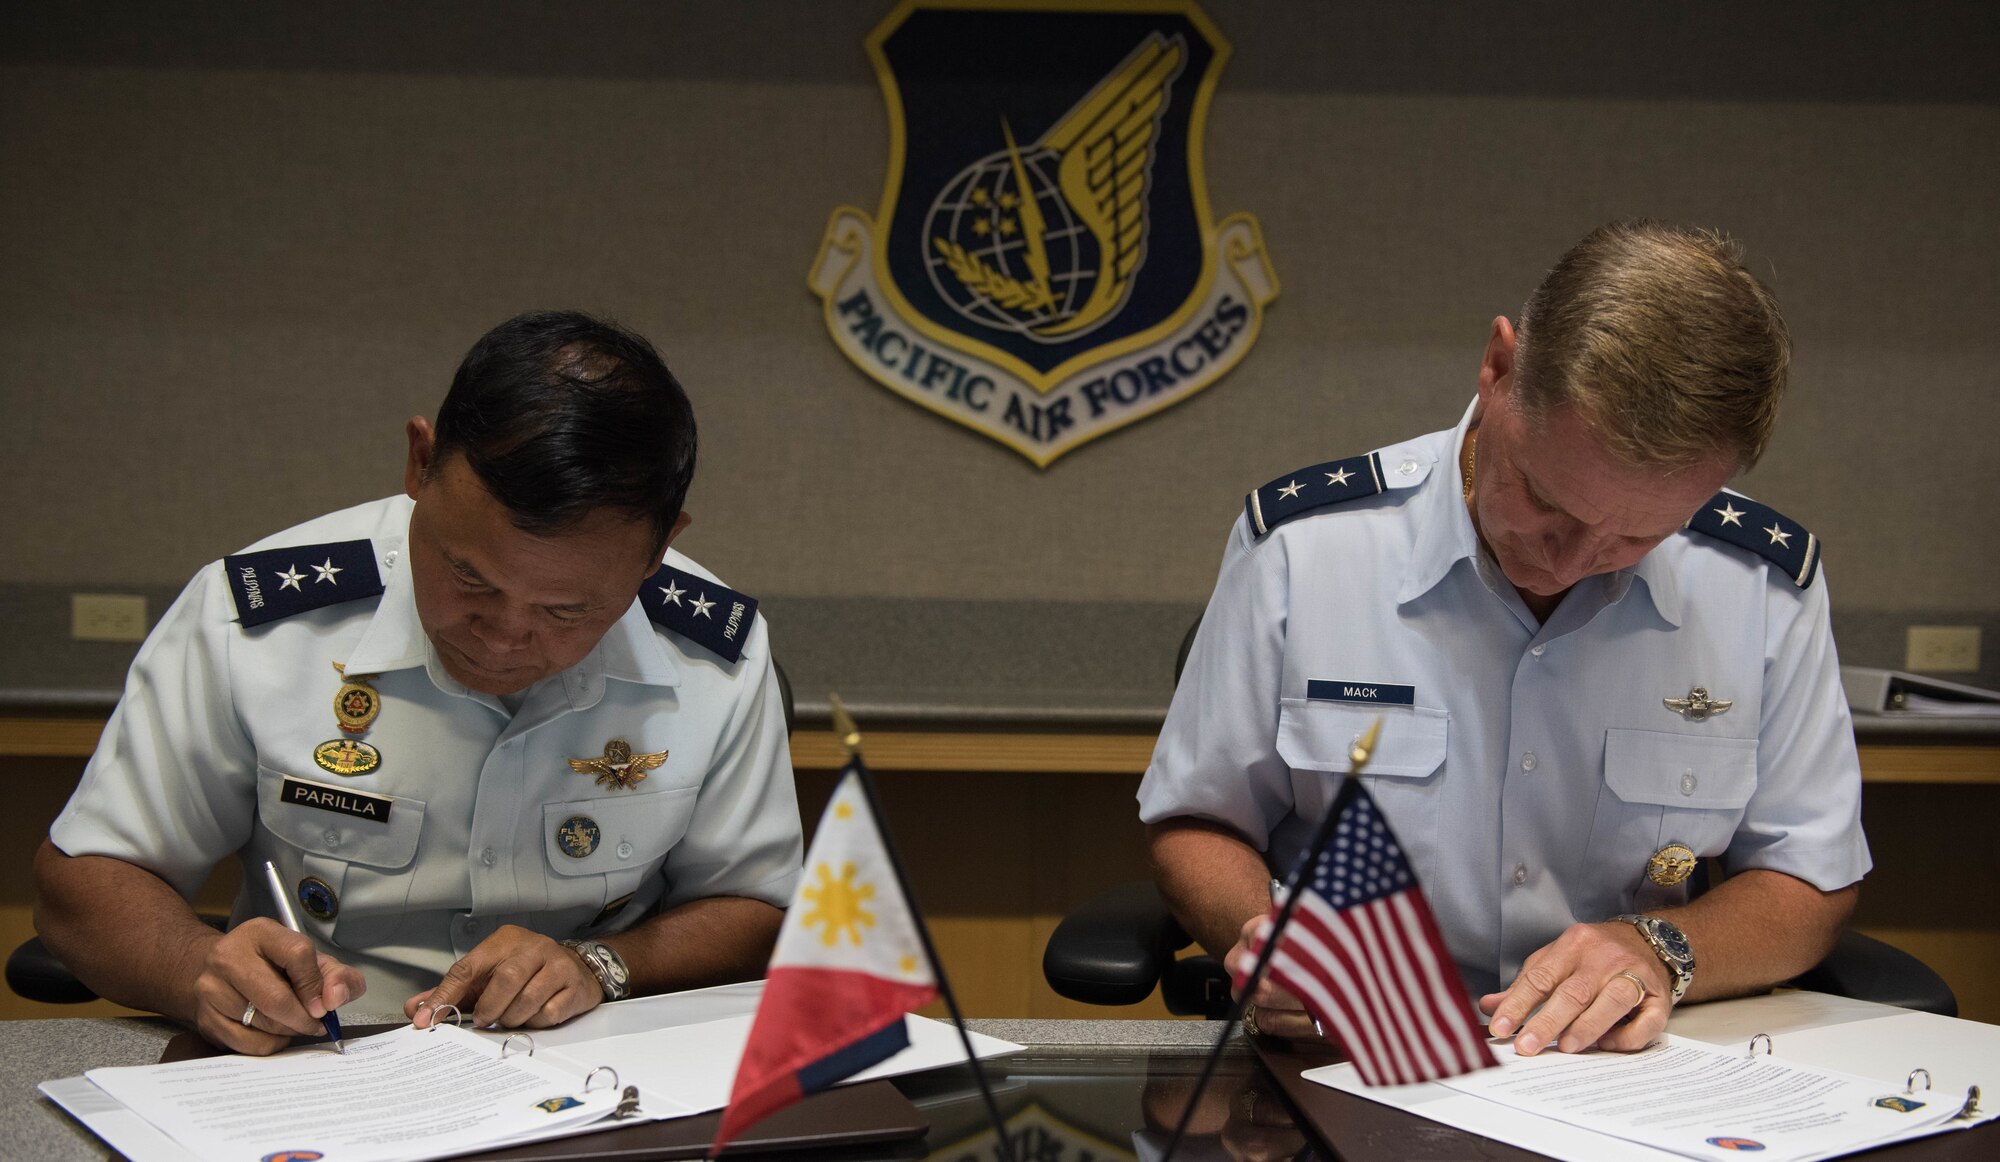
x: 1634, y: 978
x: 1250, y: 1021
x: 249, y: 1011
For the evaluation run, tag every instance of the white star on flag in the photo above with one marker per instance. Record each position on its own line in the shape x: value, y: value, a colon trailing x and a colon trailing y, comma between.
x: 326, y: 572
x: 671, y: 592
x: 1339, y: 477
x: 1779, y: 536
x: 292, y: 577
x: 1290, y: 490
x: 702, y: 605
x: 1730, y: 514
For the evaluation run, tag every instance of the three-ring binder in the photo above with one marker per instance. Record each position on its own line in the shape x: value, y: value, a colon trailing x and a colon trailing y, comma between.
x: 1967, y: 1111
x: 628, y: 1099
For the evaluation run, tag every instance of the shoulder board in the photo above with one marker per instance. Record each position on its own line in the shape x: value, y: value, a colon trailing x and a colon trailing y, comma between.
x: 1759, y: 528
x: 712, y: 616
x: 1313, y: 488
x: 273, y: 584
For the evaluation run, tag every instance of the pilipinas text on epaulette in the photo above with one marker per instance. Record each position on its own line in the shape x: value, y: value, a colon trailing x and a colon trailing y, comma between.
x: 1762, y: 530
x: 710, y: 615
x: 1310, y: 489
x: 273, y: 584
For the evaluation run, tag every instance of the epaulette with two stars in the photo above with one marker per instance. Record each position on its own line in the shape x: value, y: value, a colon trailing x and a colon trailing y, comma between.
x: 1313, y: 488
x: 273, y: 584
x: 1762, y: 530
x: 712, y: 616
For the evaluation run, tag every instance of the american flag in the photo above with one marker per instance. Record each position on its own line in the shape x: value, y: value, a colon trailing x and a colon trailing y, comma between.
x: 1364, y: 955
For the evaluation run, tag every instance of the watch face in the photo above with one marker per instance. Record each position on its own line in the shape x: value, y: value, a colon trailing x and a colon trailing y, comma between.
x: 1677, y: 945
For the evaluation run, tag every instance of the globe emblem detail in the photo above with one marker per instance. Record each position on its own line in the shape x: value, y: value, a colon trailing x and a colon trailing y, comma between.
x: 1045, y: 239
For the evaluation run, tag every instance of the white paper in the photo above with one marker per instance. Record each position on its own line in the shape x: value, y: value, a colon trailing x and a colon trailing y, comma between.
x: 403, y: 1094
x: 1703, y: 1102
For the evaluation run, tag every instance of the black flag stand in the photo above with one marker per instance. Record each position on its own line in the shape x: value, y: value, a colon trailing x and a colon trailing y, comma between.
x: 850, y: 742
x: 1357, y: 758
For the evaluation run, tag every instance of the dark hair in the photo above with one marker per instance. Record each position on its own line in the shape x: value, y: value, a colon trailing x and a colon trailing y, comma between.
x: 560, y: 415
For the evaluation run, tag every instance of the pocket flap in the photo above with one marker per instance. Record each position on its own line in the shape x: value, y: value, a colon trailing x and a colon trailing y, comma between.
x: 1317, y: 736
x: 629, y: 831
x: 1680, y: 770
x: 349, y: 824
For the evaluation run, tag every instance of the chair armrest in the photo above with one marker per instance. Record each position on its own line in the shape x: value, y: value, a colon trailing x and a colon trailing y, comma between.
x: 1869, y: 970
x: 1113, y: 949
x: 34, y: 973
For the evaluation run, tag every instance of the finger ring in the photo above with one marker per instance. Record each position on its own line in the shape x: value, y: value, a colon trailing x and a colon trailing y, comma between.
x: 1250, y: 1021
x: 1634, y: 978
x: 249, y: 1011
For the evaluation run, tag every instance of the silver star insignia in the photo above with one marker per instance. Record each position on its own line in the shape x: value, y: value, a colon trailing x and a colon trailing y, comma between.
x: 1779, y: 536
x: 671, y: 592
x: 1730, y: 514
x: 702, y: 605
x: 292, y: 577
x: 1339, y: 477
x: 326, y: 572
x: 1290, y: 490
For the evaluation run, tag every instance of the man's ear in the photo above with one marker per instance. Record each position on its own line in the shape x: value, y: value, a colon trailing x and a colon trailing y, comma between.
x: 1496, y: 366
x: 680, y: 525
x: 423, y: 443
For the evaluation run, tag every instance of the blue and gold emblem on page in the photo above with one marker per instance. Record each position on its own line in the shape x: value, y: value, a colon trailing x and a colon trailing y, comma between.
x: 1043, y: 267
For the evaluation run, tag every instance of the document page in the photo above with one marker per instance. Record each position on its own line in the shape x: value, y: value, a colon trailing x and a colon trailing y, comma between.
x: 1702, y: 1102
x: 402, y: 1095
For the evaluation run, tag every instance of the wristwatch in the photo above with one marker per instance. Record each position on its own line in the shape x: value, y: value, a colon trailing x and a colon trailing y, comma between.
x: 605, y: 964
x: 1670, y: 944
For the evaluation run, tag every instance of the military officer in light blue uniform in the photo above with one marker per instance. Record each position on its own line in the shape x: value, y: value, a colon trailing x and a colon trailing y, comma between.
x: 464, y: 724
x: 1593, y: 664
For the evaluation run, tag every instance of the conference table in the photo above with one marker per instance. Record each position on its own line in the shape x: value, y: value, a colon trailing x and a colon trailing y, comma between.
x: 1079, y: 1091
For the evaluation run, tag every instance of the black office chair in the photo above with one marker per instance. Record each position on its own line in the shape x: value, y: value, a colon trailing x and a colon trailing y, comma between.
x: 34, y: 973
x: 1123, y: 942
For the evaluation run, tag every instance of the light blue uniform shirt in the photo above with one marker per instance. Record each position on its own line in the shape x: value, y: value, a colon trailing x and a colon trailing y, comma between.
x: 1537, y: 769
x: 216, y: 717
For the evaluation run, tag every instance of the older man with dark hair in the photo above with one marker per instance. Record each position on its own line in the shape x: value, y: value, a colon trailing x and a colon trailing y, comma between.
x: 1594, y: 666
x: 501, y: 755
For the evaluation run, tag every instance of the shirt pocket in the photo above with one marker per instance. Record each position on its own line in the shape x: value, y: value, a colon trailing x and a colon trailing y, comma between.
x: 1402, y: 774
x: 634, y: 834
x: 1662, y: 788
x: 363, y: 862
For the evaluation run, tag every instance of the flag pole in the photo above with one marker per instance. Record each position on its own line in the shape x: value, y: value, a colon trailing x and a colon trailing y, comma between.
x: 1357, y: 759
x: 850, y: 742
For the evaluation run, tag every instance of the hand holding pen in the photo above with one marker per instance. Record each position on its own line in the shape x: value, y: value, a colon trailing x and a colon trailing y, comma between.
x: 290, y: 919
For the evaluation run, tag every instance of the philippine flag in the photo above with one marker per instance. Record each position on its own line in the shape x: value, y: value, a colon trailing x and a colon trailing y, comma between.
x: 849, y: 963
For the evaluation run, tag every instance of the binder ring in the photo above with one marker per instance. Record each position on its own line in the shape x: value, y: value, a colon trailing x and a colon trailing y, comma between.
x: 592, y: 1076
x: 1766, y: 1039
x: 437, y: 1015
x: 507, y: 1046
x: 1910, y: 1086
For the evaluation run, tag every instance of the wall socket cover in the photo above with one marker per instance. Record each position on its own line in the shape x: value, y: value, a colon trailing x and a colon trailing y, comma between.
x: 1943, y: 649
x: 107, y: 617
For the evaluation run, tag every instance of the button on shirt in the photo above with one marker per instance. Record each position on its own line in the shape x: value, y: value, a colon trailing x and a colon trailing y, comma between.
x: 215, y: 718
x: 1537, y: 769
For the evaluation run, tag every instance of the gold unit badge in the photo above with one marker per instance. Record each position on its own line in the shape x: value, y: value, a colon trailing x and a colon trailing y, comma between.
x: 619, y: 768
x: 346, y: 756
x: 1671, y: 865
x: 357, y: 703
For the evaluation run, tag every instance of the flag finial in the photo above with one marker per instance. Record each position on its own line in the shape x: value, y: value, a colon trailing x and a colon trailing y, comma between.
x: 850, y: 734
x: 1357, y: 758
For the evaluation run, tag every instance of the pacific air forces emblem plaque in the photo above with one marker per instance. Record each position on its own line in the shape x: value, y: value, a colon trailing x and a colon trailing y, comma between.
x: 1043, y: 268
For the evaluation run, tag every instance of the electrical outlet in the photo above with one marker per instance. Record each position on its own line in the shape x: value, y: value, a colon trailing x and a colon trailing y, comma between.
x: 1943, y: 649
x: 107, y: 617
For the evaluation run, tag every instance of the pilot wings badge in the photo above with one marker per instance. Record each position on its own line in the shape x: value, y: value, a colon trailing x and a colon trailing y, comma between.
x: 1043, y: 268
x: 619, y: 768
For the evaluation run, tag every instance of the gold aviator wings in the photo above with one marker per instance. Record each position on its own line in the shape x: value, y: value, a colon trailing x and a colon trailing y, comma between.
x: 1106, y: 145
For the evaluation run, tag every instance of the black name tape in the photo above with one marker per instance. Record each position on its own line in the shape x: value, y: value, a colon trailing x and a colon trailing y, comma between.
x: 1367, y: 693
x: 321, y: 797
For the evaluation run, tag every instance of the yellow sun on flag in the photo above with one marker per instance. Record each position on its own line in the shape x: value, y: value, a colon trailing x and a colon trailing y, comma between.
x: 837, y: 903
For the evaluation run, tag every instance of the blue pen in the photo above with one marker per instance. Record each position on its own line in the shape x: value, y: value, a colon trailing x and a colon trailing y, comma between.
x: 291, y: 920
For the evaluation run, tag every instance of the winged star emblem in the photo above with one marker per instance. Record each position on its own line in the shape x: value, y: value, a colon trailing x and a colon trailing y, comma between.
x: 619, y: 767
x: 1019, y: 270
x: 1697, y: 706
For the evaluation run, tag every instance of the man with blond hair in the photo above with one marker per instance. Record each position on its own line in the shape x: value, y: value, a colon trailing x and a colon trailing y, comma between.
x: 1595, y: 667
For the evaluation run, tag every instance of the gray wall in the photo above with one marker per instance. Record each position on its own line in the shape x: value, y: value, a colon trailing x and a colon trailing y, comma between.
x: 241, y: 243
